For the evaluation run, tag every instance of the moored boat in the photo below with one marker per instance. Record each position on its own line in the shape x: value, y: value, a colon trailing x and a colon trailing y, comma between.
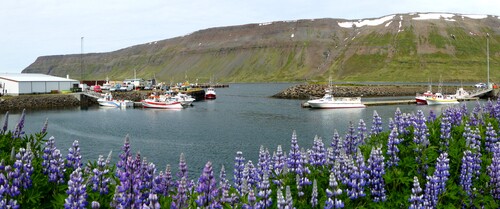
x: 161, y: 102
x: 210, y: 93
x: 331, y: 102
x: 440, y: 99
x: 108, y: 101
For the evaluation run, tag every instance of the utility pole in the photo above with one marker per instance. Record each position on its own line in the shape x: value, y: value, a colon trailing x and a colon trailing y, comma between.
x: 81, y: 60
x: 488, y: 57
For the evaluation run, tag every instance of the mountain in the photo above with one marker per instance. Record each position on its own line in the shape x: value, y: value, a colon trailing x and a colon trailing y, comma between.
x: 401, y: 47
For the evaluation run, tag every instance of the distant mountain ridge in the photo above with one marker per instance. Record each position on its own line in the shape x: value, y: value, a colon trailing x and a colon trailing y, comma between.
x: 400, y: 47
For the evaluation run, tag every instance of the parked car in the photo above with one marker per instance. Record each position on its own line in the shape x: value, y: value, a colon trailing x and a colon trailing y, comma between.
x: 480, y: 85
x: 129, y: 87
x: 115, y: 87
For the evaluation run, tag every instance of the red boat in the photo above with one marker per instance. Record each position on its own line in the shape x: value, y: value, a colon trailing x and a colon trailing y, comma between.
x: 422, y: 98
x: 210, y: 93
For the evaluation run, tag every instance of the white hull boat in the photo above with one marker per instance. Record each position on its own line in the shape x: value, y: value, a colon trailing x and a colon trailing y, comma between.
x: 331, y: 102
x: 161, y: 102
x: 440, y: 99
x: 108, y: 101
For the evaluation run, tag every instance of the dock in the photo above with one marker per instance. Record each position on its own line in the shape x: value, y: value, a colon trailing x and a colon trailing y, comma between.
x: 391, y: 102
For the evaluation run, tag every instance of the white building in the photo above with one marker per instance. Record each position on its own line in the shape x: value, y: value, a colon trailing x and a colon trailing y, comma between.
x: 30, y: 83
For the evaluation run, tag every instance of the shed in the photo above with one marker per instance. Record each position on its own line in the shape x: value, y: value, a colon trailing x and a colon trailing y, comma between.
x: 31, y: 83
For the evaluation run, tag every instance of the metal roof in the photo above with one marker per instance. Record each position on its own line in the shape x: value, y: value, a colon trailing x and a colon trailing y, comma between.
x: 19, y: 77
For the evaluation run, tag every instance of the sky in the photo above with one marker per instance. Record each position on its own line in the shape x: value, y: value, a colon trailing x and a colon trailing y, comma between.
x: 33, y: 28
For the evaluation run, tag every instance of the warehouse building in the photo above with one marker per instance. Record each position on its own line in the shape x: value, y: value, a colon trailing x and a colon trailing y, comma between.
x: 29, y: 83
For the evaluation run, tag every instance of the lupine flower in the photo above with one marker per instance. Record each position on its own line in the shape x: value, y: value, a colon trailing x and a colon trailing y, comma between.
x: 183, y: 170
x: 467, y: 172
x: 250, y: 174
x: 163, y: 182
x: 281, y: 199
x: 392, y: 148
x: 330, y: 156
x: 180, y: 199
x: 279, y: 160
x: 314, y: 195
x: 337, y: 144
x: 416, y: 201
x: 341, y: 167
x: 95, y: 205
x: 5, y: 123
x: 265, y: 192
x: 294, y: 157
x: 19, y: 127
x: 239, y: 166
x: 207, y: 188
x: 25, y: 158
x: 488, y: 108
x: 361, y: 132
x: 74, y: 159
x: 350, y: 142
x: 391, y: 124
x: 53, y: 164
x: 251, y: 200
x: 491, y: 138
x: 288, y: 198
x: 376, y: 124
x: 333, y: 191
x: 432, y: 116
x: 317, y: 157
x: 77, y: 196
x: 445, y: 131
x: 356, y: 182
x: 100, y: 181
x: 152, y: 202
x: 264, y: 163
x: 494, y: 172
x: 377, y: 170
x: 224, y: 186
x: 431, y: 192
x: 45, y: 125
x: 442, y: 172
x: 126, y: 167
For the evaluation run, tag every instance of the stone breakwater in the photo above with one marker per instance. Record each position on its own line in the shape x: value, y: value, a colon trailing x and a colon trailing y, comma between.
x: 307, y: 91
x: 38, y: 102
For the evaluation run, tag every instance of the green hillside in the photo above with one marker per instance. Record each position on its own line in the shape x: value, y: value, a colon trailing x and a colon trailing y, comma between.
x: 401, y: 48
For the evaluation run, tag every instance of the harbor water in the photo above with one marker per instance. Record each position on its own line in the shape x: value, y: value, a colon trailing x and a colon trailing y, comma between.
x: 242, y: 118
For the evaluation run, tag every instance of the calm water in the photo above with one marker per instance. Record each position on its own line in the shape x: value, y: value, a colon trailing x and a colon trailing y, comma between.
x: 242, y: 118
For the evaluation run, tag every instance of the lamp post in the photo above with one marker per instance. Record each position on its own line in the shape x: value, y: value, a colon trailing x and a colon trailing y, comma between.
x: 488, y: 57
x: 81, y: 60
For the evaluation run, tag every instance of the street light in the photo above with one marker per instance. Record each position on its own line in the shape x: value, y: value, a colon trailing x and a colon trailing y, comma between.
x: 488, y: 57
x: 81, y: 60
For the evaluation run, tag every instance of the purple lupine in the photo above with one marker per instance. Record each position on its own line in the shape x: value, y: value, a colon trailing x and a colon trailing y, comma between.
x: 467, y: 172
x: 445, y: 131
x: 5, y: 123
x: 95, y: 205
x: 19, y: 126
x: 265, y: 192
x: 121, y: 165
x: 330, y: 157
x: 314, y: 195
x: 123, y: 196
x: 280, y: 199
x: 152, y: 202
x: 44, y: 127
x: 350, y: 142
x: 56, y: 167
x: 341, y: 167
x: 25, y: 156
x: 317, y: 157
x: 337, y: 144
x: 361, y: 132
x: 391, y: 124
x: 416, y: 198
x: 392, y: 148
x: 376, y: 124
x: 77, y: 196
x: 239, y: 166
x: 377, y: 170
x: 473, y: 121
x: 302, y: 171
x: 432, y: 116
x: 163, y: 182
x: 264, y: 163
x: 491, y: 138
x: 294, y: 157
x: 496, y: 109
x: 13, y: 175
x: 420, y: 138
x: 181, y: 197
x: 431, y: 192
x: 207, y: 188
x: 442, y: 172
x: 183, y: 169
x: 74, y: 158
x: 251, y: 201
x: 224, y: 186
x: 100, y: 181
x: 288, y: 198
x: 356, y: 183
x: 250, y: 174
x: 332, y: 192
x: 398, y: 120
x: 279, y: 161
x: 488, y: 108
x: 147, y: 184
x: 494, y: 172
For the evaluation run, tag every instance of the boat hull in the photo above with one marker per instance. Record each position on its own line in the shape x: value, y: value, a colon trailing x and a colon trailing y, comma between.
x: 338, y: 103
x: 116, y: 103
x: 162, y: 105
x: 442, y: 101
x: 421, y: 101
x: 210, y: 96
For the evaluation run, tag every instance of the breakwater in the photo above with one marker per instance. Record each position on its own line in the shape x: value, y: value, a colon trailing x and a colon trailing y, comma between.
x: 307, y: 91
x: 41, y: 101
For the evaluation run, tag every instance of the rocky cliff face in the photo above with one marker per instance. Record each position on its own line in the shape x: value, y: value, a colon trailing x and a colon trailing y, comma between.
x: 402, y: 47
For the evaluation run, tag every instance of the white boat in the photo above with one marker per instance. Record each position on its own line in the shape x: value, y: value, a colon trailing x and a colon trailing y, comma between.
x: 421, y: 99
x: 108, y: 101
x: 161, y: 102
x: 329, y: 101
x: 210, y: 93
x: 440, y: 99
x: 184, y: 99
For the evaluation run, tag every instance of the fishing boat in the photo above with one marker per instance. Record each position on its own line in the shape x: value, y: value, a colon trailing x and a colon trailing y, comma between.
x: 161, y: 102
x: 184, y: 99
x: 107, y: 101
x: 331, y: 102
x: 210, y: 93
x: 441, y: 99
x: 421, y: 99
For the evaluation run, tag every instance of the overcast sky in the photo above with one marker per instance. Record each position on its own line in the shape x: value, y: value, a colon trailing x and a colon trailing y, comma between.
x: 33, y: 28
